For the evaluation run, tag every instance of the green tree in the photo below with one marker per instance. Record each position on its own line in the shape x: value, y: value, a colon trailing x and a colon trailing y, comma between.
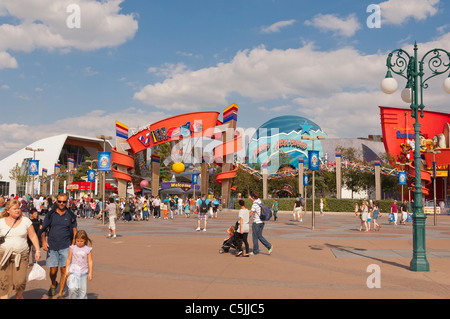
x: 20, y: 175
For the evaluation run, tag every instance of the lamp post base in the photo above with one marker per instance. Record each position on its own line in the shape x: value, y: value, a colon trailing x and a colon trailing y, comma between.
x: 419, y: 261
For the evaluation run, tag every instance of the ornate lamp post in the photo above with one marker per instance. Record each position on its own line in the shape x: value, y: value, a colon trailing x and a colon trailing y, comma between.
x: 412, y: 69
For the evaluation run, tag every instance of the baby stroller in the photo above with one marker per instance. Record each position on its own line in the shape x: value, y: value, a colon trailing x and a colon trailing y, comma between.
x: 231, y: 242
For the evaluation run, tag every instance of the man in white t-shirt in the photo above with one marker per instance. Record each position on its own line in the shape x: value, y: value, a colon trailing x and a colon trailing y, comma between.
x: 180, y: 206
x: 156, y: 209
x: 258, y: 225
x: 112, y: 208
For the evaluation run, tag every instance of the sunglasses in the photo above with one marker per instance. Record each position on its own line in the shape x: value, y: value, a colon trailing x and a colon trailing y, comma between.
x: 62, y: 201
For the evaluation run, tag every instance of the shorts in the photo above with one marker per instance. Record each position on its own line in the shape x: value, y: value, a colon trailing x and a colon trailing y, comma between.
x: 203, y: 216
x: 112, y: 223
x: 57, y: 258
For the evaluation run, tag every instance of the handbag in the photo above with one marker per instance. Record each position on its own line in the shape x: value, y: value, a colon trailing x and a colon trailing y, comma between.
x: 2, y: 238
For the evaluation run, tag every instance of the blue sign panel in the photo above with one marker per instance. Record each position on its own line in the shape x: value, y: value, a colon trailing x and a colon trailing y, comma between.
x: 33, y: 167
x: 305, y: 180
x: 402, y: 178
x: 194, y: 179
x: 91, y: 175
x: 313, y: 160
x: 104, y: 161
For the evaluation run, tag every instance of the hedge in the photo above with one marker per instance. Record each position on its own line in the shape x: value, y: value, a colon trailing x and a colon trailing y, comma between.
x: 329, y: 204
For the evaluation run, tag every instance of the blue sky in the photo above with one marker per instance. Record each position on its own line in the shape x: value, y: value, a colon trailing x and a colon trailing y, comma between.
x: 141, y: 61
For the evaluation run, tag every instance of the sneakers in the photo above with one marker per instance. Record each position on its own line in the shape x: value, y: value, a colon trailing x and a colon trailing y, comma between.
x: 52, y: 290
x: 198, y: 229
x: 270, y: 250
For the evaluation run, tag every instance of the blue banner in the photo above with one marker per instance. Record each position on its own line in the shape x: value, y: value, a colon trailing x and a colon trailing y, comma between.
x: 313, y: 160
x: 91, y: 175
x: 402, y: 178
x: 33, y: 167
x: 104, y: 161
x: 305, y: 180
x: 194, y: 179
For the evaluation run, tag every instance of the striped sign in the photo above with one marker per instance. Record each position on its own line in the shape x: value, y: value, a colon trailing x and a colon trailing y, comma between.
x: 121, y: 130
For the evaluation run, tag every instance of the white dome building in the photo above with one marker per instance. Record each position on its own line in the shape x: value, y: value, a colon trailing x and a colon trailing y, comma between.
x: 55, y: 150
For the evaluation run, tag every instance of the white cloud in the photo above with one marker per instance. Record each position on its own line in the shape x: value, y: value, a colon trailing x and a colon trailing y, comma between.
x: 169, y: 69
x: 277, y: 26
x: 346, y: 27
x: 16, y: 136
x: 43, y: 25
x: 262, y: 74
x: 7, y: 61
x: 399, y: 11
x: 280, y: 108
x: 339, y: 88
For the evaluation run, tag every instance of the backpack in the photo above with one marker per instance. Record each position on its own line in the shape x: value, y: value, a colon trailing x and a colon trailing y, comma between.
x: 203, y: 207
x: 266, y: 212
x: 72, y: 215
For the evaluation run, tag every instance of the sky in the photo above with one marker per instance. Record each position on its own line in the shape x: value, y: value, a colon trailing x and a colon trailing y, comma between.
x: 77, y: 66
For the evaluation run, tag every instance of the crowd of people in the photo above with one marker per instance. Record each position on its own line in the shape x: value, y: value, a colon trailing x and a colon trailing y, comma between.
x: 23, y: 234
x: 370, y: 212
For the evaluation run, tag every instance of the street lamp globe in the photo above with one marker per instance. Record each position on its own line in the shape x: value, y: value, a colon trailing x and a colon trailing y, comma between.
x: 389, y: 85
x: 406, y: 95
x: 447, y: 85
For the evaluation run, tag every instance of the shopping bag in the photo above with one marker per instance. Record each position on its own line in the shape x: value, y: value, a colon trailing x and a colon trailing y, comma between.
x: 36, y: 273
x: 391, y: 217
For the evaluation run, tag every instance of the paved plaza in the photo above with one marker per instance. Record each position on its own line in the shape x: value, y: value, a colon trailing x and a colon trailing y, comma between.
x: 168, y: 259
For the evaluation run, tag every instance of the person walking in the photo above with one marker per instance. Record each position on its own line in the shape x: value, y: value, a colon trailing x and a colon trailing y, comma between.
x: 394, y: 211
x: 112, y: 210
x: 187, y: 210
x: 298, y: 209
x: 244, y: 228
x: 180, y: 206
x: 356, y: 209
x: 375, y: 215
x: 258, y: 225
x: 145, y: 210
x: 15, y: 228
x: 274, y: 209
x: 215, y: 206
x: 203, y: 205
x: 156, y: 207
x: 364, y: 216
x: 62, y: 228
x: 403, y: 214
x: 80, y: 266
x: 36, y: 222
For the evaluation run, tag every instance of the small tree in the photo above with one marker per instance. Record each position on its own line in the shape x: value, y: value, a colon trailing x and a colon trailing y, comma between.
x: 20, y: 175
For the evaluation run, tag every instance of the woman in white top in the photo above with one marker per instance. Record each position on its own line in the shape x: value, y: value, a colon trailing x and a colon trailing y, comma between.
x: 244, y: 228
x: 364, y: 216
x: 15, y: 227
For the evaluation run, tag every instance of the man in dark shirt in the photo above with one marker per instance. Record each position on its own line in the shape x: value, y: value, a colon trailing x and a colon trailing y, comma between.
x: 62, y: 225
x: 404, y: 212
